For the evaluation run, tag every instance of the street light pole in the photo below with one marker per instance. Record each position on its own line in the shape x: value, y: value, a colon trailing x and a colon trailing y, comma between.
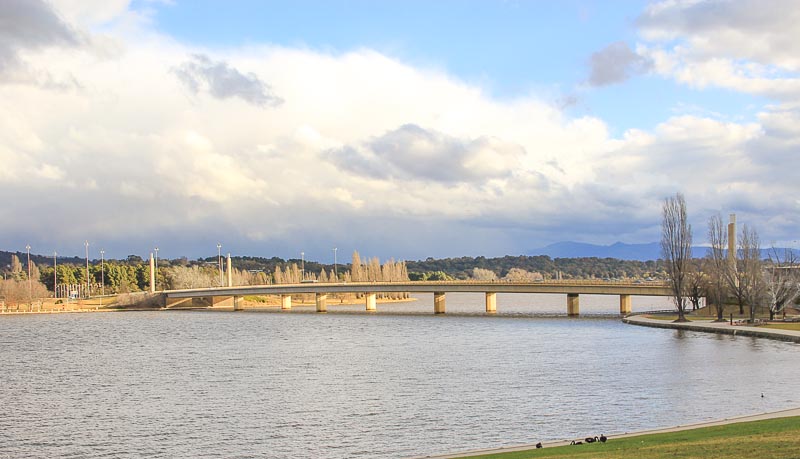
x: 102, y: 279
x: 219, y: 262
x: 156, y: 267
x: 55, y: 275
x: 335, y: 274
x: 88, y: 286
x: 30, y: 284
x: 102, y: 273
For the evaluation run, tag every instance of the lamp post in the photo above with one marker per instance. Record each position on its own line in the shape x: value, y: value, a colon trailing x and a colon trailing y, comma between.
x: 102, y: 280
x: 88, y: 285
x: 302, y: 266
x: 102, y: 273
x: 219, y: 262
x: 156, y: 267
x: 30, y: 284
x: 335, y: 274
x: 55, y: 275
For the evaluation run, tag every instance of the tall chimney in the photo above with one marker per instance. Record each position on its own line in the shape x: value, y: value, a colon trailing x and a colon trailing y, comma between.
x: 732, y: 238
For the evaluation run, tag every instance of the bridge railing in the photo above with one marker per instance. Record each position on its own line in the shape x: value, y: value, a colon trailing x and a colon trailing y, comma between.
x: 500, y: 282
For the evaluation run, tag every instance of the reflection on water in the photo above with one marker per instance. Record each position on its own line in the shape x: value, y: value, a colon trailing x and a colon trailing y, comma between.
x: 221, y: 384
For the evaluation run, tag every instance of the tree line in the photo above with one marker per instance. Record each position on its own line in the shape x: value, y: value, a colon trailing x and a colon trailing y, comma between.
x: 725, y: 276
x: 132, y: 274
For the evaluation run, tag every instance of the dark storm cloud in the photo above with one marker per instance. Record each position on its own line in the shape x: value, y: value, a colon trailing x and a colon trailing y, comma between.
x: 616, y: 63
x: 30, y: 24
x: 415, y: 153
x: 222, y: 81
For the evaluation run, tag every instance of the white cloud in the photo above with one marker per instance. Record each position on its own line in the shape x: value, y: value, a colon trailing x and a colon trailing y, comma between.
x: 750, y: 46
x: 365, y: 149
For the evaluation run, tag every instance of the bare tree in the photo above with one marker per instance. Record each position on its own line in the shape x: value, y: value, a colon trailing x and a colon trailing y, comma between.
x: 749, y: 264
x: 717, y: 266
x: 179, y: 277
x: 676, y: 248
x: 18, y: 292
x: 781, y: 279
x: 696, y: 281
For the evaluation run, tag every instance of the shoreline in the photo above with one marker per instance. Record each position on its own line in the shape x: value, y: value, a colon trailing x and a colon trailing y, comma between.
x: 701, y: 326
x: 789, y: 412
x: 709, y: 326
x: 249, y: 305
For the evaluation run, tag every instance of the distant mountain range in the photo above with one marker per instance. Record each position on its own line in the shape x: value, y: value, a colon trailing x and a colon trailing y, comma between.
x: 619, y: 250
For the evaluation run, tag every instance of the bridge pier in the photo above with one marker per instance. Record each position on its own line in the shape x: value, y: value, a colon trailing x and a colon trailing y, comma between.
x: 238, y: 303
x: 573, y: 304
x: 286, y: 302
x: 372, y: 302
x: 491, y: 303
x: 170, y: 302
x: 230, y: 273
x: 152, y: 274
x: 438, y: 302
x: 625, y: 304
x: 322, y: 302
x: 220, y: 301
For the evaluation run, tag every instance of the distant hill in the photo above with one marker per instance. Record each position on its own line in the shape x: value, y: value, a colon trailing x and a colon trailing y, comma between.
x: 619, y: 250
x: 5, y: 259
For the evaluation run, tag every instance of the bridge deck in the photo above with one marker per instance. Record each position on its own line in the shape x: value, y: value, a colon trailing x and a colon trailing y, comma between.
x: 562, y: 287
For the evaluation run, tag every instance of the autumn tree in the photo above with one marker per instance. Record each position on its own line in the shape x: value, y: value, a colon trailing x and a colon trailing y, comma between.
x: 521, y: 275
x: 676, y: 249
x: 356, y: 270
x: 16, y: 268
x: 481, y: 274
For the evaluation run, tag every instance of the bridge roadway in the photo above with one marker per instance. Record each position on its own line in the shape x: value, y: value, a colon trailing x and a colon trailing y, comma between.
x: 233, y: 295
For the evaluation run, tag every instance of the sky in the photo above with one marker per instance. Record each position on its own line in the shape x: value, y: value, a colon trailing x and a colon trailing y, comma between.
x: 405, y: 129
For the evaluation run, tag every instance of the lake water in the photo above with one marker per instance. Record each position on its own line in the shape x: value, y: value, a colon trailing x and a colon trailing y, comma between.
x: 387, y: 385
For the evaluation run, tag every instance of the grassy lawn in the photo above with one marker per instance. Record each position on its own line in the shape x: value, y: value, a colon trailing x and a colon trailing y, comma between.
x: 667, y: 317
x: 706, y: 313
x: 784, y: 326
x: 772, y: 438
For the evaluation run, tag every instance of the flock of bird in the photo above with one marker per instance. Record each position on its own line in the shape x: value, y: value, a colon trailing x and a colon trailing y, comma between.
x: 602, y: 439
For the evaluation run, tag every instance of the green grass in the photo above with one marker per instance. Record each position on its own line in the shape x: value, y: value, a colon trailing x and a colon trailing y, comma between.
x: 784, y: 326
x: 772, y: 438
x: 706, y: 313
x: 667, y: 317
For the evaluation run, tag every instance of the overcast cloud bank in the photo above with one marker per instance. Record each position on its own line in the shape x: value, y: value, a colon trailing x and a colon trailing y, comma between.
x: 274, y: 150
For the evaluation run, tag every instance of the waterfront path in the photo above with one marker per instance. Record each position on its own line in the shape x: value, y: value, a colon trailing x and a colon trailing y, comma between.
x: 717, y: 327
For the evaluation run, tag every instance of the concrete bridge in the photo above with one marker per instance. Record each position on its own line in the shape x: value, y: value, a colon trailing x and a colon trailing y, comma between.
x: 233, y: 296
